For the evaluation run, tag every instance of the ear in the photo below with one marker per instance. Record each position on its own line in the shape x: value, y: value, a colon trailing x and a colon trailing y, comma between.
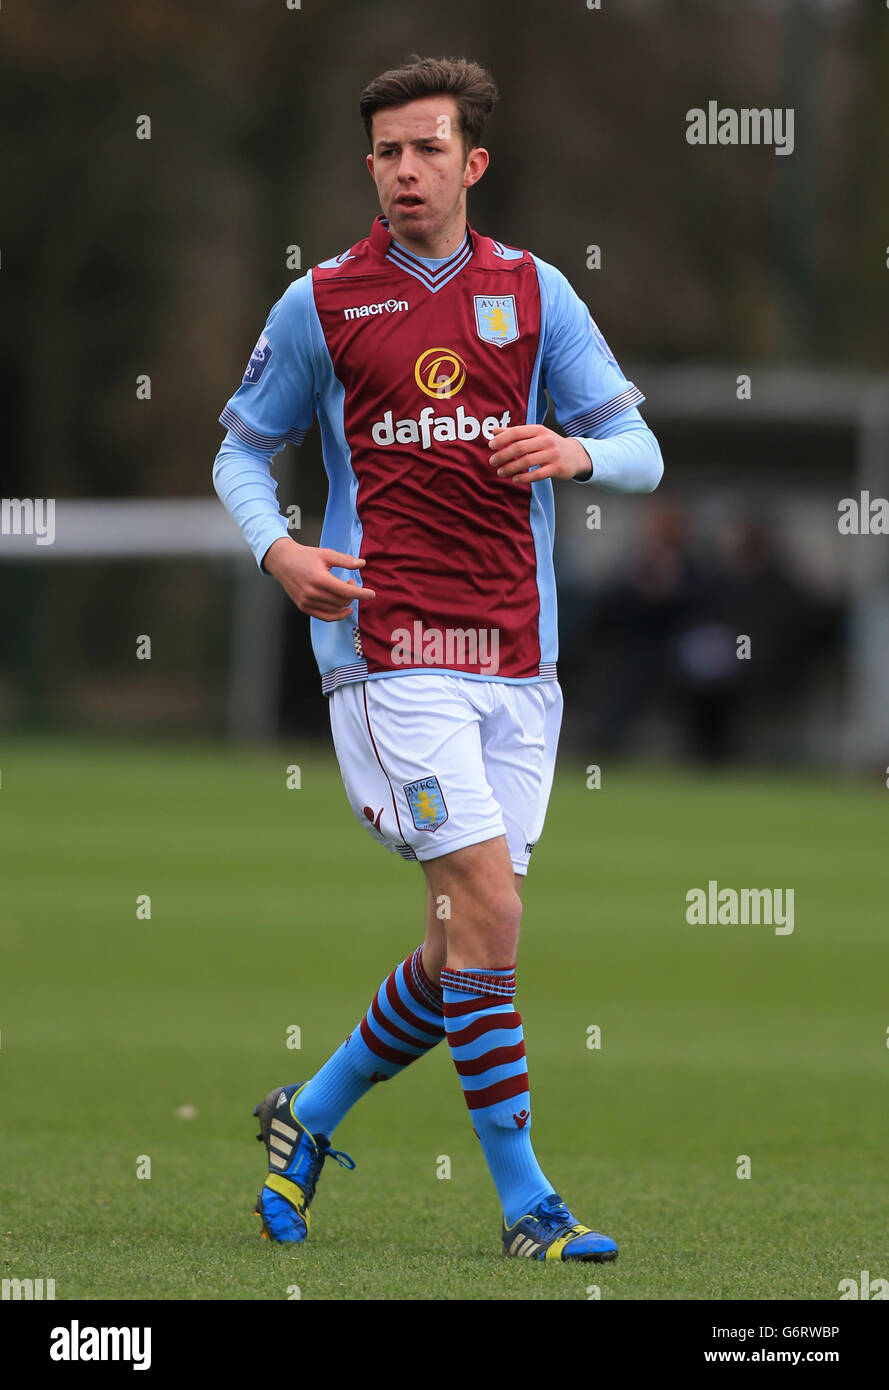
x: 370, y: 167
x: 476, y: 164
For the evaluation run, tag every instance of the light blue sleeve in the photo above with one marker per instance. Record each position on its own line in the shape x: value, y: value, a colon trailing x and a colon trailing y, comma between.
x: 273, y: 406
x: 626, y: 456
x: 593, y: 400
x: 275, y: 402
x: 243, y: 480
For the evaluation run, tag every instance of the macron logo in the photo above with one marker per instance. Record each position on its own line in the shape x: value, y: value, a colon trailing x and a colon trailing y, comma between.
x: 386, y: 306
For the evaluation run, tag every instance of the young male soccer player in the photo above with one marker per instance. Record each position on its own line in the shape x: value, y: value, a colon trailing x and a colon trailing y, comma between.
x: 424, y: 350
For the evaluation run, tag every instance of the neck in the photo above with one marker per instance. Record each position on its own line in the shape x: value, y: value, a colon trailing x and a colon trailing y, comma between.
x: 436, y: 246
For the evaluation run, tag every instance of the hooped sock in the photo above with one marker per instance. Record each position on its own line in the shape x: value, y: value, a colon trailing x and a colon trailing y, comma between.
x: 488, y: 1049
x: 404, y: 1022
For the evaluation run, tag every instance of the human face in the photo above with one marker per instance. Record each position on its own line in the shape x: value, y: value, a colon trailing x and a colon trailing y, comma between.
x: 422, y: 173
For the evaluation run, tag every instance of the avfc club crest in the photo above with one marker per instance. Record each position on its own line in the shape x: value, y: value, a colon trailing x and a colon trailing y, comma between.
x: 495, y: 318
x: 426, y: 802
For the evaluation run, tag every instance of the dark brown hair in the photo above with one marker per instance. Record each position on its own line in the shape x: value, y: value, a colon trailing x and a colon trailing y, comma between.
x: 468, y: 83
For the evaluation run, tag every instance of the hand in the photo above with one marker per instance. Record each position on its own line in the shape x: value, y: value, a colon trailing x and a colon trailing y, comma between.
x: 520, y: 447
x: 303, y: 571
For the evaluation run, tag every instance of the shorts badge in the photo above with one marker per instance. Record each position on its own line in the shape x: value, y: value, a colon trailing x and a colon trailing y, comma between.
x: 426, y: 802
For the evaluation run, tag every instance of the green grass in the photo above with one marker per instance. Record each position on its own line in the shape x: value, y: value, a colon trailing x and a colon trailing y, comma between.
x: 272, y: 907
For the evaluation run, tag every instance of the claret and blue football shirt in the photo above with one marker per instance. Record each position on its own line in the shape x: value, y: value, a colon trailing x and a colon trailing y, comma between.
x: 409, y: 365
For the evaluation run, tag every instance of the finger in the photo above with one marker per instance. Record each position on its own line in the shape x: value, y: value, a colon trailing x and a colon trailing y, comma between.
x: 328, y: 587
x: 500, y: 444
x: 519, y: 449
x: 325, y: 617
x: 522, y: 460
x: 546, y: 470
x: 508, y: 432
x: 322, y: 603
x: 346, y: 562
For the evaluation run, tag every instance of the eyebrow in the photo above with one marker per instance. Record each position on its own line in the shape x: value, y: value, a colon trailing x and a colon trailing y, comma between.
x: 421, y: 140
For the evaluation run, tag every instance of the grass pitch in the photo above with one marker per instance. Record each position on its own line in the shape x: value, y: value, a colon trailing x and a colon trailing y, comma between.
x: 272, y: 908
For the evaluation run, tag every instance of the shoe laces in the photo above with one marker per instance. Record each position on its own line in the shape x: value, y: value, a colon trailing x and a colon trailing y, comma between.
x: 316, y: 1163
x: 343, y: 1159
x: 555, y: 1216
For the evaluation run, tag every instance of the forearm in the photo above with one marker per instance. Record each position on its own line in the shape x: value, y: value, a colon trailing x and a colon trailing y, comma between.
x: 627, y: 458
x: 244, y: 483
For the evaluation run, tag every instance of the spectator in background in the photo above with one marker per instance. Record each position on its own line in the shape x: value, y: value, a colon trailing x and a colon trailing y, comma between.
x: 642, y: 615
x: 675, y: 624
x: 755, y: 595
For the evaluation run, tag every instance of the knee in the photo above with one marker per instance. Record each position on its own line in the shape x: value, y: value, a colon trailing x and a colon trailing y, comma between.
x: 506, y: 913
x: 490, y: 932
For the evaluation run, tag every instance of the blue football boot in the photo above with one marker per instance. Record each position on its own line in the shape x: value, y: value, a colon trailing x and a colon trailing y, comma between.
x: 550, y: 1232
x: 296, y: 1158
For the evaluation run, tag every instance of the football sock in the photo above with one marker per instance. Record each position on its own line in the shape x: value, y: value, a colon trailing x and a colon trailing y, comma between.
x: 403, y: 1022
x: 488, y: 1049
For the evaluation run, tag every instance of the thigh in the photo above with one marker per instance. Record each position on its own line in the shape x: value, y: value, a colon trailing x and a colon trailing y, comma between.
x: 519, y: 744
x: 410, y: 755
x: 368, y: 788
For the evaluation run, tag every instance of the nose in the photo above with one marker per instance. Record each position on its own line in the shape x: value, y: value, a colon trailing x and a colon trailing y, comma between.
x: 407, y: 165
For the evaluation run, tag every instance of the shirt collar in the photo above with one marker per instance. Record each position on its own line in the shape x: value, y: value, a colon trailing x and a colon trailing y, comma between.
x: 382, y: 241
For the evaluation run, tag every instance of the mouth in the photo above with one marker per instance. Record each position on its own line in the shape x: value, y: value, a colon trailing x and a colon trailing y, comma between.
x: 408, y: 200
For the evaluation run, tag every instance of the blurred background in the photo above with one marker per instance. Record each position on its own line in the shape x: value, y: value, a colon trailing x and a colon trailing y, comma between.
x: 744, y: 291
x: 169, y: 908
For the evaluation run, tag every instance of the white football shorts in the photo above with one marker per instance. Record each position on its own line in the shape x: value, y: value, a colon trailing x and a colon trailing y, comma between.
x: 434, y: 762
